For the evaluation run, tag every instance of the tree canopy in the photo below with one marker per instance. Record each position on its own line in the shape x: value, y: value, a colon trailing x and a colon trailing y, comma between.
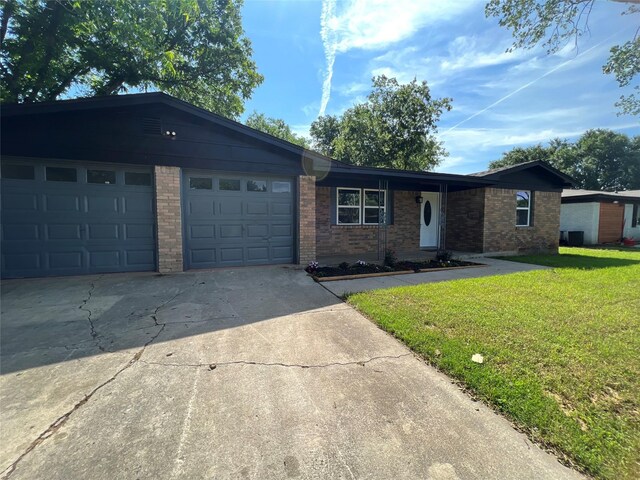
x: 193, y: 49
x: 553, y: 23
x: 394, y: 128
x: 599, y: 160
x: 276, y: 127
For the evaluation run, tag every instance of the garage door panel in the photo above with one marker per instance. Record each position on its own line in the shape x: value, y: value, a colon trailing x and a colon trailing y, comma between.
x: 104, y: 259
x: 21, y: 261
x: 64, y: 259
x: 201, y: 207
x: 258, y: 231
x: 138, y: 232
x: 282, y: 231
x: 282, y: 209
x: 203, y: 256
x: 232, y: 255
x: 282, y: 253
x: 257, y: 208
x: 19, y: 202
x: 103, y: 232
x: 102, y: 204
x: 258, y: 254
x: 20, y: 232
x: 231, y: 232
x: 73, y: 228
x: 61, y: 203
x: 141, y: 258
x: 138, y: 203
x: 231, y: 207
x: 202, y: 231
x: 252, y: 226
x: 63, y: 232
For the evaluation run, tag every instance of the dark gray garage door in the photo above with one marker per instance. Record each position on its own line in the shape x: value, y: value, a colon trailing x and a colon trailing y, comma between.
x: 237, y: 220
x: 67, y: 219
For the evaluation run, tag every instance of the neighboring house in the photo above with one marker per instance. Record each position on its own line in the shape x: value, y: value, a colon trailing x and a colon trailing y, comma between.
x: 604, y: 217
x: 148, y: 182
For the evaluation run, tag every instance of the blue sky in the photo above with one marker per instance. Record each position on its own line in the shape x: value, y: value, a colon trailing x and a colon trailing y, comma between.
x: 319, y: 56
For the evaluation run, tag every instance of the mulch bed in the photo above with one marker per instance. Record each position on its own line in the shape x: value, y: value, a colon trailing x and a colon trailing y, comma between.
x: 399, y: 267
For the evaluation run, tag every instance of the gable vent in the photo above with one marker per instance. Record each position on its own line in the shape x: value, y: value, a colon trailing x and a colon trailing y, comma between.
x: 151, y: 126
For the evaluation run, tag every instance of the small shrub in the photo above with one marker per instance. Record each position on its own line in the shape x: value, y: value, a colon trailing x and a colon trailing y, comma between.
x: 312, y: 267
x: 343, y: 266
x: 444, y: 256
x: 390, y: 258
x: 361, y: 263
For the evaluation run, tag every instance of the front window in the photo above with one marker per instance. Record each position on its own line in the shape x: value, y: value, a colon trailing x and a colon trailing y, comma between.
x: 349, y: 206
x: 375, y: 207
x: 361, y: 206
x: 523, y: 208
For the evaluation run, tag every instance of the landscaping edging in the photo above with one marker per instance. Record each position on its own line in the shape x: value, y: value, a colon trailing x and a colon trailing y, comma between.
x: 386, y: 274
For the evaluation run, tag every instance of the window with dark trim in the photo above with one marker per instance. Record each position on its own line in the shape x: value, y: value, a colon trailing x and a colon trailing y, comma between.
x: 18, y: 172
x: 523, y: 208
x: 61, y: 174
x: 229, y: 184
x: 104, y: 177
x: 137, y: 178
x: 200, y: 183
x: 256, y: 186
x: 375, y: 207
x: 348, y: 204
x: 360, y: 206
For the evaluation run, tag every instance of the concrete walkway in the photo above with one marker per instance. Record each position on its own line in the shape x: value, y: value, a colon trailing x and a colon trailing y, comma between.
x: 493, y: 267
x: 237, y: 373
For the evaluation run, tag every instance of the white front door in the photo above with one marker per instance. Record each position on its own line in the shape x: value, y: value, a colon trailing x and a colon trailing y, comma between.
x: 429, y: 212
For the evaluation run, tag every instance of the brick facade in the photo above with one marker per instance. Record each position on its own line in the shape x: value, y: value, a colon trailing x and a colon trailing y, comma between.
x: 500, y: 233
x: 402, y: 235
x: 307, y: 219
x: 464, y: 229
x: 169, y: 219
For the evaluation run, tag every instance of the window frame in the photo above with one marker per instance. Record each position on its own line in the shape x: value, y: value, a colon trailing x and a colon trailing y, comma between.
x: 353, y: 207
x: 365, y: 206
x: 527, y: 208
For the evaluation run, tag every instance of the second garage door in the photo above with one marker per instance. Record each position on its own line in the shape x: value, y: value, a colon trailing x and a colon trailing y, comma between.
x: 237, y: 220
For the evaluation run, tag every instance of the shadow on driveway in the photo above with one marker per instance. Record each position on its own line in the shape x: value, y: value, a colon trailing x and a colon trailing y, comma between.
x: 51, y: 320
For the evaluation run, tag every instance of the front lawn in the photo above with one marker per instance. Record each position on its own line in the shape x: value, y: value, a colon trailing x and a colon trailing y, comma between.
x: 561, y: 348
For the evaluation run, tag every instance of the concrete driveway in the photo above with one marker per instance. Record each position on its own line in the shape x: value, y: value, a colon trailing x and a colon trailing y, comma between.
x: 235, y: 373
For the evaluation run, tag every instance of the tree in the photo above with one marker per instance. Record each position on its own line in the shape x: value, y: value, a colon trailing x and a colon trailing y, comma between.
x: 599, y: 160
x: 276, y: 127
x: 394, y: 128
x: 554, y: 22
x: 193, y: 49
x: 325, y: 131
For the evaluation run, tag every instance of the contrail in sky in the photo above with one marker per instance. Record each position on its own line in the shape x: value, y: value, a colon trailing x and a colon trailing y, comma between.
x: 330, y: 43
x: 526, y: 85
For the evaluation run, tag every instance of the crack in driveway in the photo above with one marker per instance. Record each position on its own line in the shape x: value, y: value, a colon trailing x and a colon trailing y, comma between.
x: 84, y: 307
x: 214, y: 365
x: 60, y: 421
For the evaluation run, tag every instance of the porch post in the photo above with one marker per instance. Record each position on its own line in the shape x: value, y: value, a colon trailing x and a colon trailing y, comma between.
x: 442, y: 218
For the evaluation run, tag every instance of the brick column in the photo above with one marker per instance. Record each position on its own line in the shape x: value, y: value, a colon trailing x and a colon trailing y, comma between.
x: 306, y: 219
x: 169, y: 219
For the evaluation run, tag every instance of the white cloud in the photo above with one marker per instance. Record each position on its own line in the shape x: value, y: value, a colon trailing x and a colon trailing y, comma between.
x: 376, y: 24
x: 469, y: 52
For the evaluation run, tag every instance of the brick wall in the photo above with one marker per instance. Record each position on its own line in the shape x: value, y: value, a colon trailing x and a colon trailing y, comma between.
x: 169, y: 219
x: 500, y: 232
x: 403, y: 235
x: 307, y: 219
x: 464, y: 229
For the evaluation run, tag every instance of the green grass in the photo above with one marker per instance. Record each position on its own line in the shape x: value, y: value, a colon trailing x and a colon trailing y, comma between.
x: 561, y: 348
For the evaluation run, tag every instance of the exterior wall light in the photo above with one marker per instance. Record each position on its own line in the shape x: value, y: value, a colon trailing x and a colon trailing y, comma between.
x: 419, y: 199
